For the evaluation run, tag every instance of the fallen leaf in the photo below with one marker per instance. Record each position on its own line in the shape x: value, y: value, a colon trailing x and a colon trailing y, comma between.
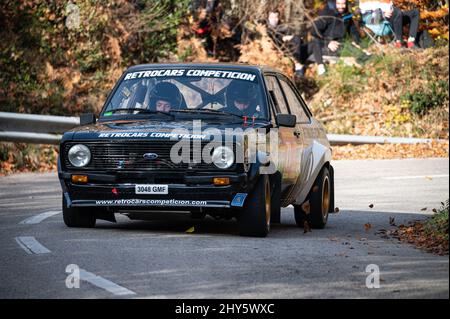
x: 306, y: 207
x: 423, y: 209
x: 367, y: 226
x: 336, y: 210
x: 306, y: 227
x: 392, y: 221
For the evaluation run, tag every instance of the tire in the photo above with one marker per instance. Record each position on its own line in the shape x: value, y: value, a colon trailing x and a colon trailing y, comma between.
x: 319, y: 202
x: 77, y: 217
x: 275, y: 216
x: 198, y: 215
x: 255, y: 219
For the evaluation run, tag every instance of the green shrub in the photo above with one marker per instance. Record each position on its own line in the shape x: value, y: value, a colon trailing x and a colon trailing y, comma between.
x: 420, y: 101
x: 438, y: 224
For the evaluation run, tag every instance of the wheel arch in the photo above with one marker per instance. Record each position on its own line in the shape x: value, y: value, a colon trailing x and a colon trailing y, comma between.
x: 320, y: 157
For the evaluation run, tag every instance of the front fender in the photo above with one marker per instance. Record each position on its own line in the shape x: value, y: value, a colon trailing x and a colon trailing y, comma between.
x: 258, y: 168
x: 315, y: 157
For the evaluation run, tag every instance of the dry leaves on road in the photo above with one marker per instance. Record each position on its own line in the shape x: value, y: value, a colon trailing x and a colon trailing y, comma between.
x: 430, y: 234
x: 414, y: 233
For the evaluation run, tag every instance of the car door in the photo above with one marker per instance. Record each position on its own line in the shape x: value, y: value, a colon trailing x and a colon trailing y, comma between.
x: 308, y: 131
x: 289, y: 140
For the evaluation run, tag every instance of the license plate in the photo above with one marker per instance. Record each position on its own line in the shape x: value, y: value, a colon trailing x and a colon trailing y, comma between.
x: 152, y: 189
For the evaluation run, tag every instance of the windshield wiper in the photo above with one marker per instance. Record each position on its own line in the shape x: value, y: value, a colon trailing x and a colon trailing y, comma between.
x: 210, y: 111
x: 141, y: 111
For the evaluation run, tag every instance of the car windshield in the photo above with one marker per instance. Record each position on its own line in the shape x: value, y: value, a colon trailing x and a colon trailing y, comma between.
x: 201, y: 92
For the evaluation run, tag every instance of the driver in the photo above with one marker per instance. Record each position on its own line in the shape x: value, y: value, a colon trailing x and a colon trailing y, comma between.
x: 165, y: 96
x: 241, y: 98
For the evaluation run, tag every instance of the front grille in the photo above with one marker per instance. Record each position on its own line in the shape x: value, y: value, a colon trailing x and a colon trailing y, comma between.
x: 123, y: 156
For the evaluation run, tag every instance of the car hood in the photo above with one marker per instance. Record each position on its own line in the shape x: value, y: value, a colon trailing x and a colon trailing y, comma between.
x: 161, y: 130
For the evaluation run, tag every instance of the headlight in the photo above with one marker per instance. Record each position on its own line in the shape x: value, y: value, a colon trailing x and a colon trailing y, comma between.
x: 79, y: 155
x: 223, y: 157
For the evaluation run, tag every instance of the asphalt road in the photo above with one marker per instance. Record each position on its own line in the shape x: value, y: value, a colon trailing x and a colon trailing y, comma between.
x: 158, y: 259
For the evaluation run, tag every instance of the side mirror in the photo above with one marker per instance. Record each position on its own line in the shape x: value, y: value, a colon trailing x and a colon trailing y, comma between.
x: 87, y: 118
x: 288, y: 120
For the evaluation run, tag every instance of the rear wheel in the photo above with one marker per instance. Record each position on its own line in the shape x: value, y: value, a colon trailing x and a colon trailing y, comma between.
x: 255, y: 219
x: 77, y: 216
x: 319, y: 202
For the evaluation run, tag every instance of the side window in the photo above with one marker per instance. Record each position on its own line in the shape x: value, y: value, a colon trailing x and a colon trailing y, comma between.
x: 273, y: 86
x: 294, y: 103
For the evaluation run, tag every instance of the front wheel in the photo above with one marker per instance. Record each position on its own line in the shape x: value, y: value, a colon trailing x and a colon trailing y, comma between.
x: 77, y: 216
x: 255, y: 219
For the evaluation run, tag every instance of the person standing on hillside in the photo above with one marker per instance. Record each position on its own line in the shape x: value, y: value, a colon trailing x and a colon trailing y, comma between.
x: 328, y: 32
x: 284, y: 38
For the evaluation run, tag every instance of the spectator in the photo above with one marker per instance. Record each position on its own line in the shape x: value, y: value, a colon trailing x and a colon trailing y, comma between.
x: 203, y: 30
x: 229, y: 35
x: 396, y: 17
x: 328, y: 32
x: 284, y: 38
x: 211, y: 5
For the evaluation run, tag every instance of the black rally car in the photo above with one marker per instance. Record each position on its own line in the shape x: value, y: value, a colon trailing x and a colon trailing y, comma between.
x: 218, y: 139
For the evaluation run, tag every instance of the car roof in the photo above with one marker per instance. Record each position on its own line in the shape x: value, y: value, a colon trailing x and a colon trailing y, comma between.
x: 230, y: 66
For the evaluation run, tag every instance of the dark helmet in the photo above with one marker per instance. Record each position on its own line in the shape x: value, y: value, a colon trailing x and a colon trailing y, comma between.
x: 167, y: 92
x: 241, y: 91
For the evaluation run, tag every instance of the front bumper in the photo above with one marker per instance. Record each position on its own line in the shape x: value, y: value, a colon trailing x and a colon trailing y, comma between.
x: 192, y: 192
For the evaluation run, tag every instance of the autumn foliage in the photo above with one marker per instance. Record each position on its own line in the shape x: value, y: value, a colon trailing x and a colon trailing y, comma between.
x: 433, y: 14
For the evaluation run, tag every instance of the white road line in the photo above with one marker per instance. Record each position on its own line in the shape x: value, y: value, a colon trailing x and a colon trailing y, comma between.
x: 36, y: 219
x: 104, y: 284
x: 416, y: 177
x: 31, y: 245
